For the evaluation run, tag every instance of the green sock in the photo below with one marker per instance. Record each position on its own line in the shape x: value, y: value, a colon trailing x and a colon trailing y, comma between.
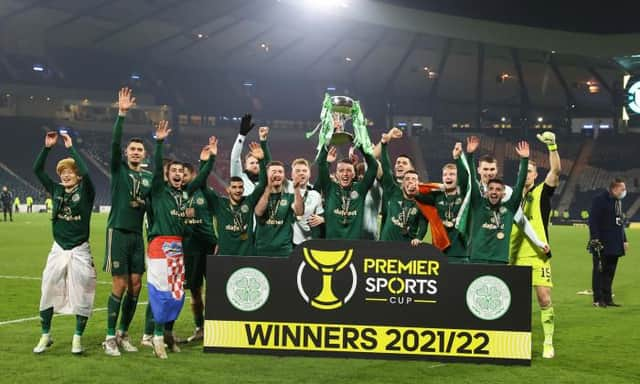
x: 547, y: 320
x: 129, y: 305
x: 148, y: 321
x: 159, y: 329
x: 113, y: 309
x: 81, y: 324
x: 45, y: 319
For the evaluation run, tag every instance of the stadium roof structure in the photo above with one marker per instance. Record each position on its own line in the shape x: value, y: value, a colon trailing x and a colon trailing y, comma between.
x: 375, y: 46
x: 557, y: 15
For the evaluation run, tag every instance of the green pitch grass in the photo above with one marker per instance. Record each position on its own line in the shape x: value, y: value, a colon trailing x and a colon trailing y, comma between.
x: 592, y: 345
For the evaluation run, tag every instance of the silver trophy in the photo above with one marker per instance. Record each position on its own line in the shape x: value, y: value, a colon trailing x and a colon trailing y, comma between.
x: 341, y: 110
x: 331, y: 130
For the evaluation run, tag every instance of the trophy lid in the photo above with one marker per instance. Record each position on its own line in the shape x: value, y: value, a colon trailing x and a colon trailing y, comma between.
x: 341, y: 104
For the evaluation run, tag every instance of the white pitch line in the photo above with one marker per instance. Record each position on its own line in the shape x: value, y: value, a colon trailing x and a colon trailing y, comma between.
x: 20, y: 277
x: 56, y: 315
x: 39, y: 278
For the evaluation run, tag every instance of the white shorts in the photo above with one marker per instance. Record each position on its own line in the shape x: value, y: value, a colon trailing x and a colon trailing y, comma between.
x: 69, y: 281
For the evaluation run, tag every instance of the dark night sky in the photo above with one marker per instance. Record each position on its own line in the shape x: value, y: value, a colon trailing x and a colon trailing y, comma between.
x: 605, y: 18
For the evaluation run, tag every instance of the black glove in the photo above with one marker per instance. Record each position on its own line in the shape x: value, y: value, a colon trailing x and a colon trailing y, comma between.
x: 245, y: 125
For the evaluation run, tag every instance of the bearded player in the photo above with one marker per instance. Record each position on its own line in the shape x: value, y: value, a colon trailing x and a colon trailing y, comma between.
x: 492, y: 217
x: 165, y: 256
x: 404, y: 220
x: 234, y: 213
x: 276, y: 213
x: 249, y: 173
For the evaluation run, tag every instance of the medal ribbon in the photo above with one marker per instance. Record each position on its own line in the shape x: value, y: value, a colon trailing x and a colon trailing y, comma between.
x: 346, y: 201
x: 237, y: 217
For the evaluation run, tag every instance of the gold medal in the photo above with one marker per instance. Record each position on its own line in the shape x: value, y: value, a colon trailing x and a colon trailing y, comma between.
x: 190, y: 212
x: 500, y: 235
x: 134, y: 204
x: 244, y: 236
x: 448, y: 224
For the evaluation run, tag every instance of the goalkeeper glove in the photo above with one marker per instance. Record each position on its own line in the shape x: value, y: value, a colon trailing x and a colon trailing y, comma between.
x: 245, y: 124
x: 548, y: 138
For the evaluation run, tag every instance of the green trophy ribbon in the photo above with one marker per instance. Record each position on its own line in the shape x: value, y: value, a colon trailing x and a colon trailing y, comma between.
x: 360, y: 131
x: 326, y: 126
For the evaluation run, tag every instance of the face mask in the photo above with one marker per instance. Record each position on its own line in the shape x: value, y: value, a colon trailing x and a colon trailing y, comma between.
x: 622, y: 195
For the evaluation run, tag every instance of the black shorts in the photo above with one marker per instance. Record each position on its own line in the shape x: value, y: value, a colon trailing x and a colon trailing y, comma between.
x: 196, y: 252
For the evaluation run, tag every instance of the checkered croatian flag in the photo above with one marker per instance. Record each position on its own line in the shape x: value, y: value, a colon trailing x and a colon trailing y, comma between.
x: 165, y: 279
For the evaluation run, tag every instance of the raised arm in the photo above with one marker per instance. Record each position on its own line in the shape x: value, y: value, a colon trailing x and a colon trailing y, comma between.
x: 370, y: 174
x: 473, y: 142
x: 324, y: 178
x: 163, y: 130
x: 116, y: 138
x: 38, y: 167
x: 394, y: 133
x: 246, y: 126
x: 263, y: 132
x: 388, y: 181
x: 258, y: 153
x: 516, y: 198
x: 235, y: 165
x: 476, y: 194
x: 68, y: 143
x: 200, y: 182
x: 213, y: 200
x: 462, y: 163
x: 82, y: 166
x: 125, y: 102
x: 208, y: 157
x: 555, y: 165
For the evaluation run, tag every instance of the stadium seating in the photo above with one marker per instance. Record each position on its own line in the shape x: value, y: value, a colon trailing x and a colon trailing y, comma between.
x: 18, y: 188
x: 616, y: 153
x: 287, y: 142
x: 618, y: 162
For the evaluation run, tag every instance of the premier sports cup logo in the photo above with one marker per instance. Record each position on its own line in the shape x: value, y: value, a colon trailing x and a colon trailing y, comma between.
x: 327, y: 263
